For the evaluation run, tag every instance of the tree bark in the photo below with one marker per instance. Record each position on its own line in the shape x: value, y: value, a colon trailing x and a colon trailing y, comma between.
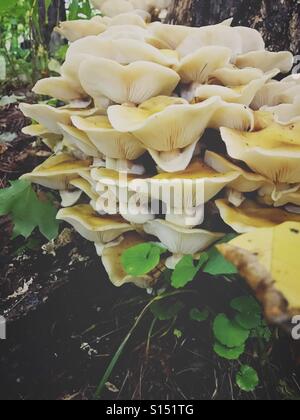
x: 277, y: 20
x: 50, y: 18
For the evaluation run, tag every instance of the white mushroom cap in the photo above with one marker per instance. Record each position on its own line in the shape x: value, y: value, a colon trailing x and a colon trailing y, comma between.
x: 172, y: 35
x: 273, y: 151
x: 250, y: 216
x: 130, y: 18
x: 57, y: 171
x: 164, y: 124
x: 116, y: 7
x: 126, y: 84
x: 60, y: 88
x: 233, y: 76
x: 123, y: 51
x: 94, y: 228
x: 110, y: 142
x: 50, y: 117
x: 77, y: 29
x: 266, y: 61
x: 198, y: 66
x: 181, y: 241
x: 285, y: 113
x: 231, y: 115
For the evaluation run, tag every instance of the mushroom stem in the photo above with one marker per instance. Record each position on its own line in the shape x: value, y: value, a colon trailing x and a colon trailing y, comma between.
x: 172, y: 261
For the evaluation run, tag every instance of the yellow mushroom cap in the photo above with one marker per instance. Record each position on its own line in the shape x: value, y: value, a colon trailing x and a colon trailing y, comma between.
x: 77, y: 29
x: 57, y: 171
x: 233, y: 76
x: 164, y: 124
x: 198, y: 66
x: 250, y: 216
x: 126, y: 84
x: 266, y: 60
x: 273, y: 151
x: 285, y: 113
x: 179, y: 240
x: 269, y: 260
x: 110, y: 142
x: 94, y: 228
x: 172, y: 35
x: 111, y: 259
x: 246, y: 181
x: 85, y: 186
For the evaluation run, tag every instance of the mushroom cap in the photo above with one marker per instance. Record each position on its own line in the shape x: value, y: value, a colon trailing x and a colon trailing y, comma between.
x: 176, y: 160
x: 273, y: 151
x: 116, y: 7
x: 130, y: 18
x: 187, y: 189
x: 50, y: 117
x: 59, y: 88
x: 57, y: 171
x: 172, y: 35
x: 232, y: 115
x: 238, y: 94
x: 198, y: 66
x: 179, y: 240
x: 126, y: 84
x: 238, y: 40
x: 110, y: 142
x: 266, y: 60
x: 94, y: 228
x: 164, y: 124
x: 233, y: 76
x: 77, y: 29
x: 246, y: 181
x: 84, y: 186
x: 79, y: 140
x: 285, y: 113
x: 111, y: 259
x: 250, y: 216
x: 132, y: 32
x: 279, y: 195
x: 123, y: 51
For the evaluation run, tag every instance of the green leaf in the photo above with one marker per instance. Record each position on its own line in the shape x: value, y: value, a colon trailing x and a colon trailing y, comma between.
x: 250, y: 314
x: 263, y: 332
x: 227, y: 353
x: 177, y: 333
x: 247, y: 379
x: 217, y: 265
x: 199, y: 316
x: 166, y: 309
x: 141, y: 259
x: 27, y: 211
x: 228, y: 332
x: 185, y: 271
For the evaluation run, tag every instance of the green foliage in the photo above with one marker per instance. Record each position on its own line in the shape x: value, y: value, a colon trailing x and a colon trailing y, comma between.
x: 167, y: 309
x: 228, y: 353
x: 27, y: 211
x: 249, y: 312
x: 186, y: 271
x: 247, y: 379
x: 142, y: 259
x: 229, y: 333
x: 217, y: 265
x: 199, y: 316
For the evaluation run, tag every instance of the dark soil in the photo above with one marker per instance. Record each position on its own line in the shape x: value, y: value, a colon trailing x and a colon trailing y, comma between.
x: 64, y: 330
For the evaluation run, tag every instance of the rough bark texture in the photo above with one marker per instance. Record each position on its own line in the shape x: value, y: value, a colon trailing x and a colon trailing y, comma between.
x: 277, y: 20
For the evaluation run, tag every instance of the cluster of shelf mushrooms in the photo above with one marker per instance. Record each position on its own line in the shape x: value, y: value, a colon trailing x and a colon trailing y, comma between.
x: 163, y: 104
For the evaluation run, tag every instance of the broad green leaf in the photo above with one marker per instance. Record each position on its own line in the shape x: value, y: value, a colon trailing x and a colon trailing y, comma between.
x: 27, y: 211
x: 167, y: 309
x: 263, y: 332
x: 199, y: 316
x: 250, y: 315
x: 227, y: 353
x: 186, y: 270
x: 247, y: 378
x: 217, y: 265
x: 228, y: 332
x: 141, y: 259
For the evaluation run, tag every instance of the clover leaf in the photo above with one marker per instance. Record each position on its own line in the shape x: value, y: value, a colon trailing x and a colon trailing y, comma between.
x: 250, y: 314
x: 186, y: 270
x: 247, y: 379
x: 228, y: 332
x: 229, y: 353
x: 142, y: 259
